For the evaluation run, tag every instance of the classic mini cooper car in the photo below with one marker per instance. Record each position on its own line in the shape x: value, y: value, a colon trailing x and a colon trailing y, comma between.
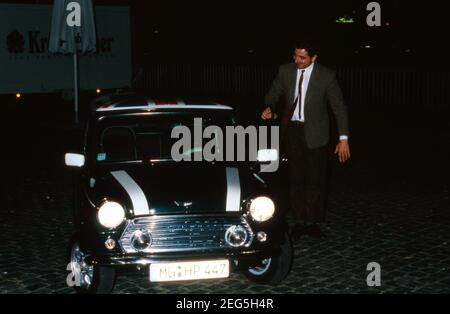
x: 138, y: 208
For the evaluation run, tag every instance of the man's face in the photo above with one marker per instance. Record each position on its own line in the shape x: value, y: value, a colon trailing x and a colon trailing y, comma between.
x: 302, y: 59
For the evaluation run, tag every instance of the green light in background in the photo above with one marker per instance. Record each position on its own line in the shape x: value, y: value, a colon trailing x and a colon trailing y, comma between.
x: 345, y: 20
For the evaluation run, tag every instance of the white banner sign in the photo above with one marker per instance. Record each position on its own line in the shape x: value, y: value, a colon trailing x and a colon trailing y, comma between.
x: 26, y: 65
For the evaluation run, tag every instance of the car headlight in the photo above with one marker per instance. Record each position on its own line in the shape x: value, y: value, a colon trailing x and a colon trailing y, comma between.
x: 111, y: 214
x: 262, y: 208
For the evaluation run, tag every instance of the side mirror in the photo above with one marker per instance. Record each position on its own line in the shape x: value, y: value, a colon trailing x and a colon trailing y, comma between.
x: 74, y: 160
x: 268, y: 159
x: 267, y: 155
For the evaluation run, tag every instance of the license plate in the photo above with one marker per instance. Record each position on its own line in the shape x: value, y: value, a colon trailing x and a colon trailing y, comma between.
x: 189, y: 270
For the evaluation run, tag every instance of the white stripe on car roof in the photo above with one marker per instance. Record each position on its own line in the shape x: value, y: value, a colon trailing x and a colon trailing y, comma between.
x: 156, y: 107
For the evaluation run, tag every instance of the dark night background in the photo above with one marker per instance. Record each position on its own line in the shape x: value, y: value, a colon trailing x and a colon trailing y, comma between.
x: 263, y: 32
x: 393, y: 195
x: 398, y: 72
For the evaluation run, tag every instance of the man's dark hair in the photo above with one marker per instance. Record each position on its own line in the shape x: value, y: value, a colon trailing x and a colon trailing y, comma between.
x: 310, y: 47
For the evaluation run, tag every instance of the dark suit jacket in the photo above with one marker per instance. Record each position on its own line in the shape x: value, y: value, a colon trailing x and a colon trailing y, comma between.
x: 322, y: 88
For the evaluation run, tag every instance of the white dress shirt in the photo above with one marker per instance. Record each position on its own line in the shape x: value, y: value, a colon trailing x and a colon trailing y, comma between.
x: 306, y: 76
x: 305, y: 83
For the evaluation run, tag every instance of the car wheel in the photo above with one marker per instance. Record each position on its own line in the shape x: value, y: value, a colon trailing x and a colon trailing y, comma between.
x: 87, y: 279
x: 274, y: 269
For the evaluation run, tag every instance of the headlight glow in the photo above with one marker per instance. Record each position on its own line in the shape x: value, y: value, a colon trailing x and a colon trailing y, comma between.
x: 111, y: 214
x: 262, y: 208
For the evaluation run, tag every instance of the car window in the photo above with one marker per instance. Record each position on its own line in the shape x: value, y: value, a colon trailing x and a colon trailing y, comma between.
x: 145, y: 137
x: 118, y: 143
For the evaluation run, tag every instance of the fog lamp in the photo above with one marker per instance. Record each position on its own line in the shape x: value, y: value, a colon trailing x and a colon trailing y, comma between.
x: 141, y: 240
x: 236, y: 236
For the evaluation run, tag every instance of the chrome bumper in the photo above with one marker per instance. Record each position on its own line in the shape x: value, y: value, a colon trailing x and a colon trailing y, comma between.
x: 145, y: 260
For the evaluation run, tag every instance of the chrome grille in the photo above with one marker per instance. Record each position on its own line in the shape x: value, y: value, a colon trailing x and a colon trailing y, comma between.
x: 183, y: 233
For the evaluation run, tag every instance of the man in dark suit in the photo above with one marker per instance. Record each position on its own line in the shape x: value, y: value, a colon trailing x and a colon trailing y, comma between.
x: 308, y: 87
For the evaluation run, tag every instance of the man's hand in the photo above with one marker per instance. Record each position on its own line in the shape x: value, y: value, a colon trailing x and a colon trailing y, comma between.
x: 267, y: 114
x: 343, y: 150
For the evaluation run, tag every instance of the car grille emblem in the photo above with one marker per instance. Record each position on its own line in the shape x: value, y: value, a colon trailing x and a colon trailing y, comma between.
x: 185, y: 205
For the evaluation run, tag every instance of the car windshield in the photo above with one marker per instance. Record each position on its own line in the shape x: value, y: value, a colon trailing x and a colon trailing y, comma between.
x: 143, y: 137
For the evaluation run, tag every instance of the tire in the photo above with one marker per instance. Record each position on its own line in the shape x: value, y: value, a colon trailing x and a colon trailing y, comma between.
x: 272, y: 270
x: 87, y: 279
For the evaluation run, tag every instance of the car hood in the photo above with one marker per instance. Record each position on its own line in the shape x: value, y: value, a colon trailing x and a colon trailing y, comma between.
x: 168, y: 188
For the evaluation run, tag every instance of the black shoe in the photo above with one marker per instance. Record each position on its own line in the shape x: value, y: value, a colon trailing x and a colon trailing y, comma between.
x: 315, y: 231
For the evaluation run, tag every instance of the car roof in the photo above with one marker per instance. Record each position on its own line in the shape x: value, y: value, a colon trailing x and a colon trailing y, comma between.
x: 110, y: 104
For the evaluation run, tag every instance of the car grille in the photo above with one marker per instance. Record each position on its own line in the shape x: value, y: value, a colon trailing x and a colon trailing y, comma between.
x: 185, y: 233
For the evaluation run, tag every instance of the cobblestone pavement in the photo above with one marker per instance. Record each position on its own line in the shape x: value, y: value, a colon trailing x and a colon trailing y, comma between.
x: 389, y: 205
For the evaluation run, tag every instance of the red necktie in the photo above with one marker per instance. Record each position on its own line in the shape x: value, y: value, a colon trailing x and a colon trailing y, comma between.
x: 298, y: 99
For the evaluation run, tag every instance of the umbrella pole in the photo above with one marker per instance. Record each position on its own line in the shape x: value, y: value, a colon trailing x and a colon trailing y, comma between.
x: 75, y: 73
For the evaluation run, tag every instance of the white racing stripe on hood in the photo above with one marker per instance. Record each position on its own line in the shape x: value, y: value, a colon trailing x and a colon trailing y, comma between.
x: 233, y: 190
x: 140, y: 204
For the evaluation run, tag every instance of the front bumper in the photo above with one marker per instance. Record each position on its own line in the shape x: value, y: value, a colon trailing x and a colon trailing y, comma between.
x: 246, y: 256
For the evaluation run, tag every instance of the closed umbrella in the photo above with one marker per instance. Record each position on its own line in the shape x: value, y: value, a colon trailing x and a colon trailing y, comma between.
x: 73, y: 32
